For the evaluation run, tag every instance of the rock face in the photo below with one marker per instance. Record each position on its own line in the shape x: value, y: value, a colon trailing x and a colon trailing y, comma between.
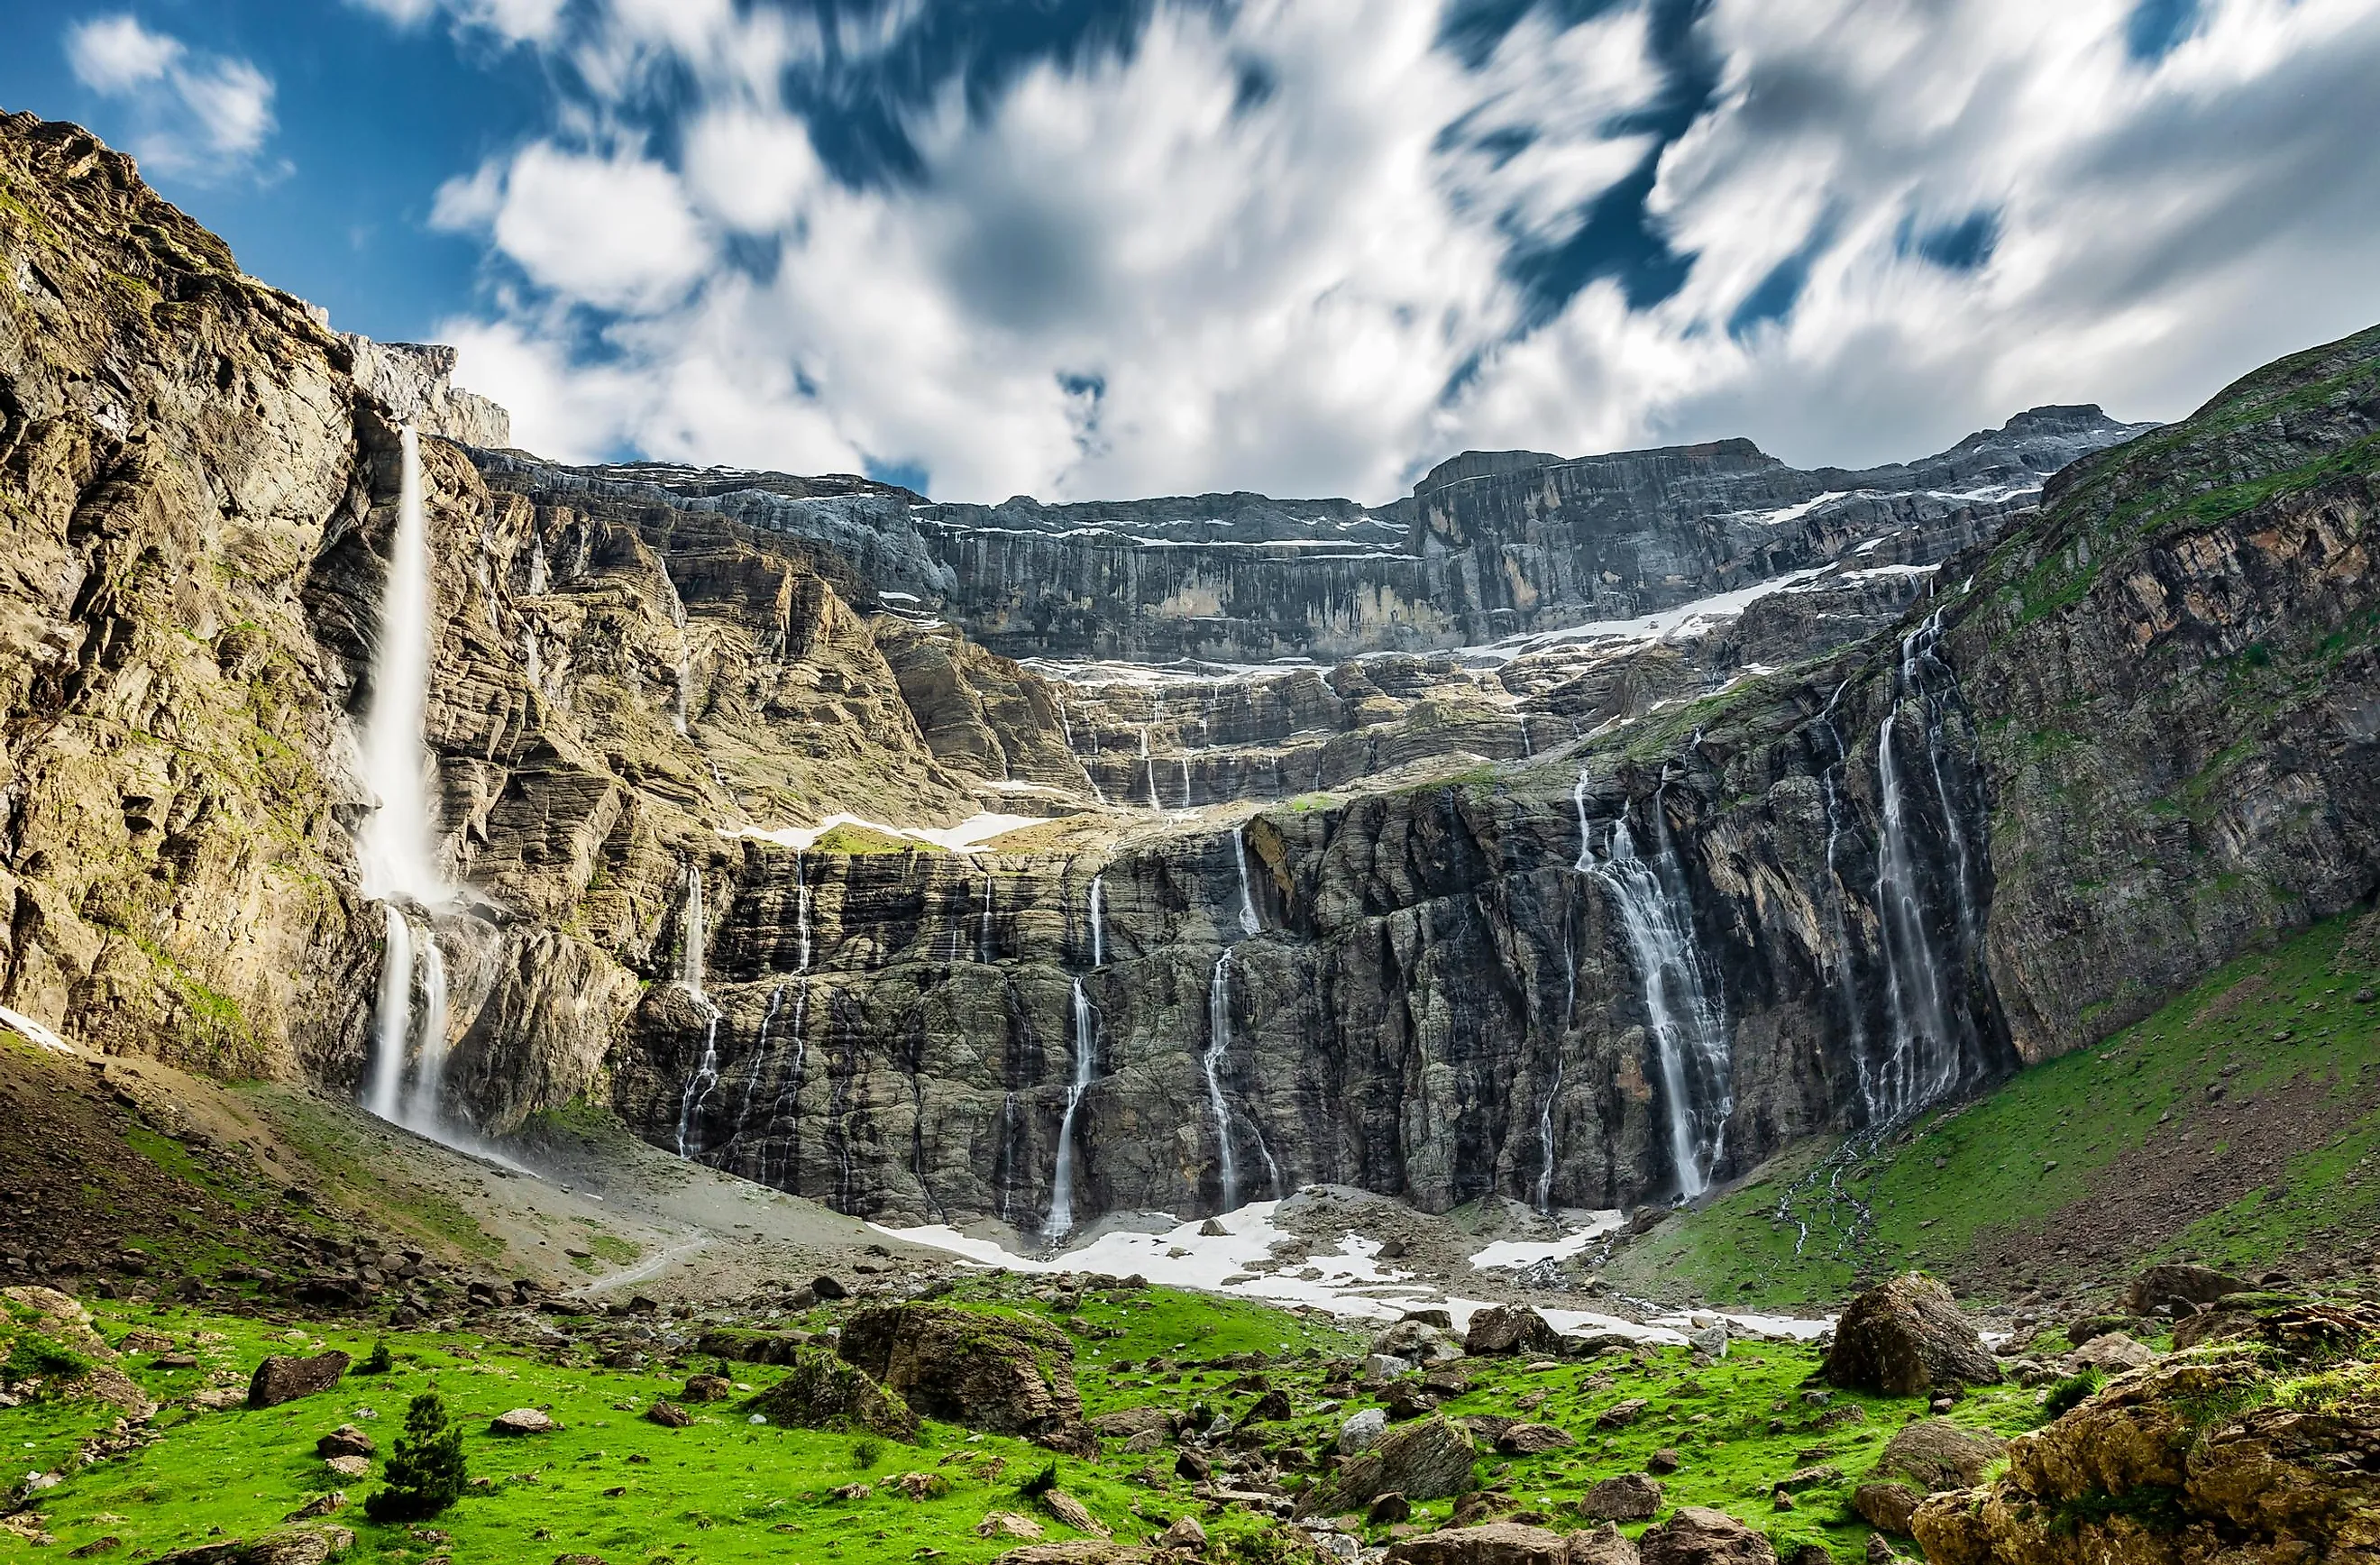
x: 415, y: 380
x: 2178, y: 1284
x: 821, y: 1391
x: 1906, y: 1337
x: 1510, y: 1329
x: 1698, y: 1535
x: 2162, y: 1466
x: 1011, y: 1377
x: 2018, y: 817
x: 282, y: 1379
x: 1495, y: 1542
x: 1630, y: 1497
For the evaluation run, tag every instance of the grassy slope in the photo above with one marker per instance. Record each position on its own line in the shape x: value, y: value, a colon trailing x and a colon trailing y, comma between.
x: 1972, y: 1193
x: 725, y: 1490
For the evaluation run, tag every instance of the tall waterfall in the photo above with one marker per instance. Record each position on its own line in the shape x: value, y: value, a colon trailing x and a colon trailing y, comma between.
x: 1690, y: 1039
x: 1098, y: 921
x: 1219, y: 1044
x: 698, y: 1086
x: 1926, y: 1057
x: 1546, y: 1142
x: 1148, y: 769
x: 1830, y: 783
x: 396, y: 849
x: 1061, y: 1180
x: 1249, y: 922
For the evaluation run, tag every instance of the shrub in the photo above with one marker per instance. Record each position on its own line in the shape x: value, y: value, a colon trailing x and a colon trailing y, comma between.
x: 2072, y: 1392
x: 378, y: 1362
x: 1040, y: 1484
x: 867, y: 1453
x: 425, y: 1472
x: 36, y: 1357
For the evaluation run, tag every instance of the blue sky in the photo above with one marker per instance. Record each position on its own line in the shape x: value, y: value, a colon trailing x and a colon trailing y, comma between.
x: 1091, y: 248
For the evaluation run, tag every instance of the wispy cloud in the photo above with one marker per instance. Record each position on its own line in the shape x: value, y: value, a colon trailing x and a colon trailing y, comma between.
x: 1312, y: 246
x: 197, y: 114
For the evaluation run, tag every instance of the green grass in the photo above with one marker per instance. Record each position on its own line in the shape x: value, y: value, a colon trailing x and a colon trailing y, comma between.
x: 725, y: 1490
x: 2045, y: 1143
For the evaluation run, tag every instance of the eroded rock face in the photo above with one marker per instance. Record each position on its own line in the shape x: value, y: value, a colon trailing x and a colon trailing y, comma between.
x: 2158, y: 1467
x: 1492, y: 1543
x: 822, y: 1392
x: 1906, y: 1337
x: 1698, y: 1535
x: 285, y: 1378
x: 1427, y: 1459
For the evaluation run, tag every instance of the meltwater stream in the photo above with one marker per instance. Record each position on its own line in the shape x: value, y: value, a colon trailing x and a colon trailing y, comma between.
x: 396, y: 850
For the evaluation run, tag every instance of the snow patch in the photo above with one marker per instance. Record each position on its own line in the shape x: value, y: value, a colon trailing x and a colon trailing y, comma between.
x: 966, y: 837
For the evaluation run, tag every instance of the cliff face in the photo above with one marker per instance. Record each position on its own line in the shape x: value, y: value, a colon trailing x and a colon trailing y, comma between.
x: 1599, y: 916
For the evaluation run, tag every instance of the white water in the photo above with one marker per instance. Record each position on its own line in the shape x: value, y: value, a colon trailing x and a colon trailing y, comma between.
x: 1148, y: 769
x: 1098, y: 921
x: 1061, y: 1180
x: 1218, y: 1043
x: 983, y: 952
x: 698, y: 1086
x: 395, y: 850
x: 1690, y: 1042
x: 1922, y: 1064
x: 1250, y: 923
x: 1546, y: 1144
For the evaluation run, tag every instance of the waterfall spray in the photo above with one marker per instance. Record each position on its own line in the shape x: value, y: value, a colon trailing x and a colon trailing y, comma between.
x: 1249, y: 922
x: 396, y: 849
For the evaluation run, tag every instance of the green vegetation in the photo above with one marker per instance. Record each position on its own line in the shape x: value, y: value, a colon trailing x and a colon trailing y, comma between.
x: 2072, y: 1392
x: 856, y: 841
x: 426, y: 1472
x: 33, y: 1356
x: 723, y: 1490
x: 2276, y: 1036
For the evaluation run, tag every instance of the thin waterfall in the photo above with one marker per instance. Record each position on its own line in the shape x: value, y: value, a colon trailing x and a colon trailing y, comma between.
x: 760, y: 1062
x: 983, y: 943
x: 1099, y: 920
x: 1185, y: 780
x: 1847, y: 981
x: 1249, y: 922
x: 1149, y: 769
x: 396, y: 849
x: 1689, y: 1027
x: 1546, y: 1142
x: 1219, y: 1044
x: 698, y: 1087
x: 1061, y: 1180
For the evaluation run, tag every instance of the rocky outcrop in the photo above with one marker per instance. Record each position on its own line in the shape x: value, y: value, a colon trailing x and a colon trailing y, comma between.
x: 2193, y: 1458
x: 414, y: 381
x: 822, y: 1392
x: 999, y: 1373
x: 1427, y: 1460
x: 285, y: 1378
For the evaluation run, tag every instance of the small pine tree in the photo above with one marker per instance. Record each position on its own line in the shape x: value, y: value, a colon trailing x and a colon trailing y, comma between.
x: 379, y: 1362
x: 425, y: 1472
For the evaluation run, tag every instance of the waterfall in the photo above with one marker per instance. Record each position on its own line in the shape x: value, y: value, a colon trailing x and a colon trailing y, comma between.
x: 1098, y: 921
x: 1249, y: 922
x: 1148, y: 766
x: 801, y: 913
x: 1062, y: 1182
x: 705, y: 1078
x: 395, y: 851
x: 1546, y: 1142
x: 1923, y: 1062
x: 1689, y: 1027
x: 1855, y: 1012
x: 1185, y: 780
x: 1218, y: 1043
x: 983, y: 952
x: 540, y: 576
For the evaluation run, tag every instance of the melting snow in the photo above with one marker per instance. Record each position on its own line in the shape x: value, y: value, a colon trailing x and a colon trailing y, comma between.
x: 966, y: 837
x: 18, y: 1022
x: 1518, y: 1252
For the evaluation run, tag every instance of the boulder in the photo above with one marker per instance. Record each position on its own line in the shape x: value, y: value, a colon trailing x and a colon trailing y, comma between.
x: 1272, y: 1408
x: 290, y: 1546
x: 994, y: 1373
x: 2176, y: 1286
x: 1072, y: 1512
x: 60, y: 1316
x: 1185, y: 1534
x: 707, y: 1389
x: 1125, y: 1423
x: 1427, y: 1459
x: 1494, y: 1543
x: 522, y: 1422
x: 1007, y: 1525
x: 1361, y: 1429
x: 1079, y: 1551
x: 1511, y: 1329
x: 1629, y: 1497
x: 1698, y: 1535
x: 1387, y: 1510
x: 1532, y: 1439
x: 828, y: 1288
x: 1415, y: 1341
x: 2112, y: 1353
x: 1605, y: 1546
x: 822, y: 1392
x: 1907, y: 1337
x: 345, y: 1440
x: 1935, y: 1454
x: 1710, y: 1341
x: 1887, y: 1505
x: 349, y: 1467
x: 281, y: 1378
x: 1621, y: 1415
x: 669, y: 1415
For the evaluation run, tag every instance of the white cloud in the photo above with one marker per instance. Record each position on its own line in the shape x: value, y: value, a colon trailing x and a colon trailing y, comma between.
x: 519, y: 21
x: 197, y: 114
x: 1139, y: 275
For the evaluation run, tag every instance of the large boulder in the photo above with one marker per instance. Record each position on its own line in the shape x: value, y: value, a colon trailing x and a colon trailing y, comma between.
x: 1888, y: 1507
x: 1906, y: 1337
x: 991, y: 1372
x: 1427, y: 1460
x: 283, y: 1379
x: 821, y: 1391
x: 290, y: 1546
x: 1933, y: 1454
x: 1629, y: 1497
x: 1605, y: 1546
x: 1415, y: 1341
x: 2179, y: 1287
x: 1511, y: 1329
x: 1697, y: 1535
x: 1492, y: 1543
